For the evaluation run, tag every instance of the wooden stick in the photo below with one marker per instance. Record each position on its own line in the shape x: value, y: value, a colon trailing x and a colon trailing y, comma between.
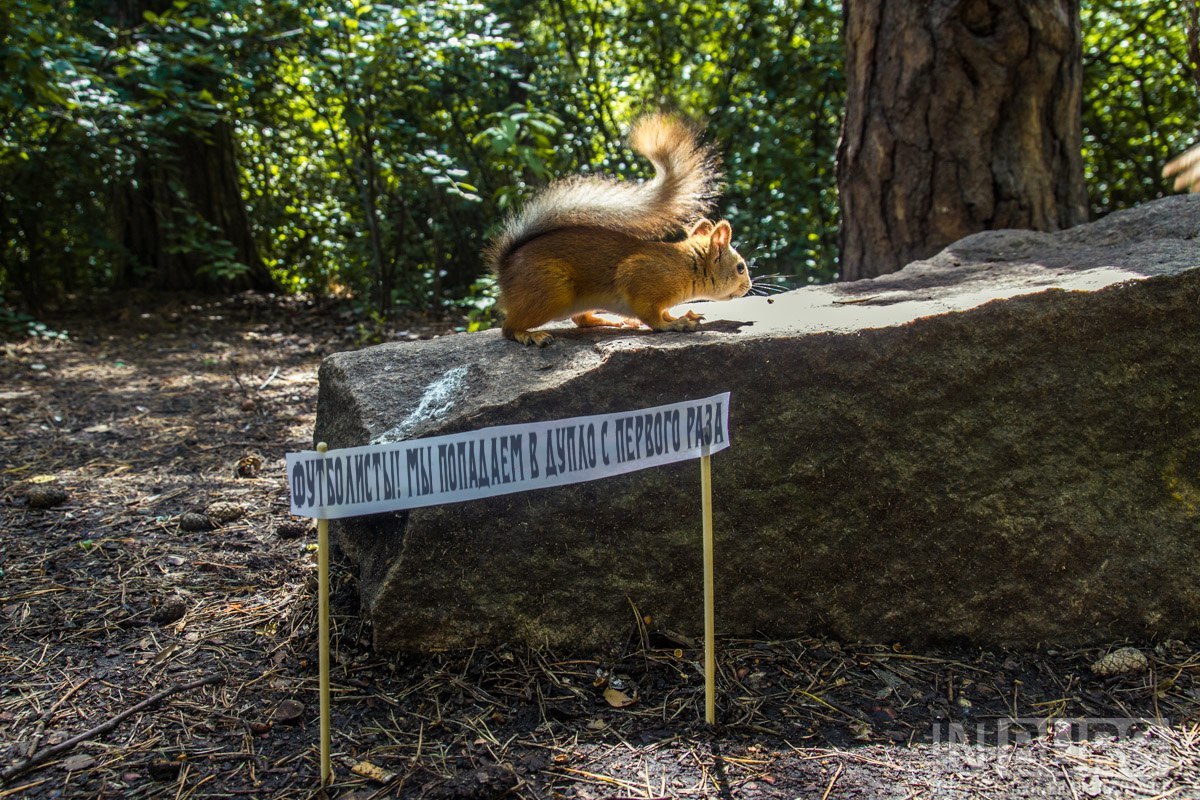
x: 48, y: 753
x: 323, y: 633
x: 49, y: 715
x: 710, y: 646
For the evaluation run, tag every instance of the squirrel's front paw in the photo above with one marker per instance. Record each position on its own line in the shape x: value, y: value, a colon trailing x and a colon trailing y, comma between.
x: 688, y: 322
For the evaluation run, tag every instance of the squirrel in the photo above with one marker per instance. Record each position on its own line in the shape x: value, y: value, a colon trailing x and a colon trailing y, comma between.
x: 588, y: 244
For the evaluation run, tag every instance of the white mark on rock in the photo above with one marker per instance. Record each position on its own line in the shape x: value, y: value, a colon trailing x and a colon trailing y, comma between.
x: 436, y: 402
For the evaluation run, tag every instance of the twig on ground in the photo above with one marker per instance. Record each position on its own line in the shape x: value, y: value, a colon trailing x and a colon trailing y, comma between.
x: 832, y: 781
x: 36, y: 739
x: 43, y: 756
x: 274, y: 374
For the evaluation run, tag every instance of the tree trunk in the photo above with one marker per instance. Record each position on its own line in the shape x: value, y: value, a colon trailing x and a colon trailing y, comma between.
x: 961, y: 116
x: 368, y: 182
x: 195, y: 172
x: 154, y: 227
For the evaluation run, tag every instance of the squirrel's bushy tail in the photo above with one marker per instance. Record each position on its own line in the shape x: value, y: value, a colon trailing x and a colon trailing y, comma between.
x: 685, y: 180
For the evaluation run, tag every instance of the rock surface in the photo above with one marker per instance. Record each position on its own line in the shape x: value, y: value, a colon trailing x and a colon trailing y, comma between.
x: 1000, y: 445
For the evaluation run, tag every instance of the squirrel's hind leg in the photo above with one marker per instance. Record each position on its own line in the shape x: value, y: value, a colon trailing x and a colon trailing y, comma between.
x: 531, y: 296
x: 519, y: 319
x: 589, y: 319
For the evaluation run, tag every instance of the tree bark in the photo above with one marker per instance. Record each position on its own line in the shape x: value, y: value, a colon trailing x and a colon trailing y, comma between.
x: 196, y: 172
x: 961, y: 116
x: 198, y: 175
x: 150, y: 212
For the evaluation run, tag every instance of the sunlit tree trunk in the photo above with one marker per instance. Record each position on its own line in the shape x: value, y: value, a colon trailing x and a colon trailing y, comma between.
x: 961, y: 116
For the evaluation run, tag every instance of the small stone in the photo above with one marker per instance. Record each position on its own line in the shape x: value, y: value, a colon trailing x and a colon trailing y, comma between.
x: 223, y: 512
x: 191, y: 521
x: 370, y: 771
x: 1125, y: 661
x: 45, y: 496
x: 289, y: 712
x: 78, y: 762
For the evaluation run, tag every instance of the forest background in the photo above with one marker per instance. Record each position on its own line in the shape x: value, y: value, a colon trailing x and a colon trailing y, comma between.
x: 366, y: 150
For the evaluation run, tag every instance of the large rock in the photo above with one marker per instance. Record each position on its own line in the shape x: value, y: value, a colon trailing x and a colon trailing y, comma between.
x: 1000, y: 445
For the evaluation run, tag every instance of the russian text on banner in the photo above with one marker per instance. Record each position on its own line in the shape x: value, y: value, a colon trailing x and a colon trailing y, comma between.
x: 509, y: 458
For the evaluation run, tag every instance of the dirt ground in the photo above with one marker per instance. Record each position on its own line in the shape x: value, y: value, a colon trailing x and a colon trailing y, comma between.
x: 158, y: 606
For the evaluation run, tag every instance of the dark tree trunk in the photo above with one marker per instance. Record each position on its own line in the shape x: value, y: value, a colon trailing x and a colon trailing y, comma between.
x: 961, y: 116
x: 152, y: 213
x: 197, y: 172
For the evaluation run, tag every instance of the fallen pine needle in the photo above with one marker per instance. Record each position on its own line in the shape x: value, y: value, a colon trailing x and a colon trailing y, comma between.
x: 602, y: 778
x: 22, y: 787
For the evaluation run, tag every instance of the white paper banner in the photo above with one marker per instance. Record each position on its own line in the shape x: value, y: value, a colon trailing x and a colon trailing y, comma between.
x: 501, y: 460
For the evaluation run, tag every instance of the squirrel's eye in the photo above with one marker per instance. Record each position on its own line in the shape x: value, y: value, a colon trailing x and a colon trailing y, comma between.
x: 741, y: 268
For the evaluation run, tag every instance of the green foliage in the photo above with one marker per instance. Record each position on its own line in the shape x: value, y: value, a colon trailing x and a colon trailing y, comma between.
x: 1139, y: 97
x: 366, y: 168
x: 379, y: 144
x: 480, y: 304
x: 764, y: 77
x: 375, y: 146
x: 45, y: 200
x: 95, y: 106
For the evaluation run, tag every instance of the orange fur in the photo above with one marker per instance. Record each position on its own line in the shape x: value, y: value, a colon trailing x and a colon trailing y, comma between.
x: 589, y: 244
x: 577, y: 271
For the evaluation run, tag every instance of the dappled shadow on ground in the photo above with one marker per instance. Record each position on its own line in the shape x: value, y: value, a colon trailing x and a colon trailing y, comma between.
x: 115, y: 595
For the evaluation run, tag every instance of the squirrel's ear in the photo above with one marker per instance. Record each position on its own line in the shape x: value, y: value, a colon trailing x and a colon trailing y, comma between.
x: 722, y: 234
x: 701, y: 227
